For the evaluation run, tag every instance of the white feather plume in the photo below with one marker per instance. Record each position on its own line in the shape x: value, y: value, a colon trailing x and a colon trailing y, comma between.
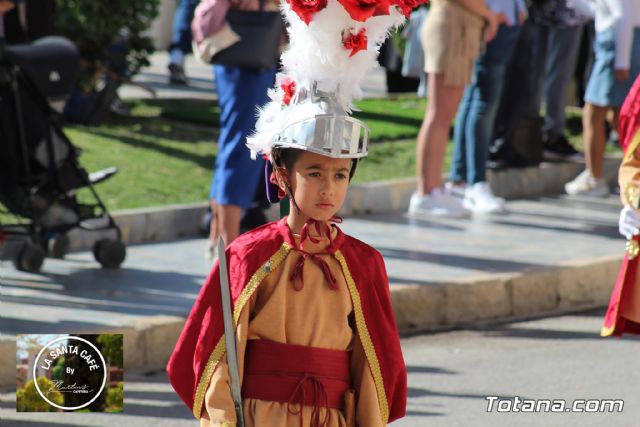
x: 316, y: 56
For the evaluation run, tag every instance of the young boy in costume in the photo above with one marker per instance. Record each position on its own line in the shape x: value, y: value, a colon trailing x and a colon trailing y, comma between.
x: 315, y: 332
x: 623, y: 314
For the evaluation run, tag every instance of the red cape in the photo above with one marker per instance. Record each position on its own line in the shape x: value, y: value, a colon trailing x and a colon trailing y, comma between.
x: 251, y: 257
x: 628, y: 127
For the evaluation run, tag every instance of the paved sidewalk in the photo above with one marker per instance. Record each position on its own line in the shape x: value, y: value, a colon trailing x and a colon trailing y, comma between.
x: 544, y: 256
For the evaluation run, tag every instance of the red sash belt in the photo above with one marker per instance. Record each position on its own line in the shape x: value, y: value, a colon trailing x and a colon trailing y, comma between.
x: 309, y: 376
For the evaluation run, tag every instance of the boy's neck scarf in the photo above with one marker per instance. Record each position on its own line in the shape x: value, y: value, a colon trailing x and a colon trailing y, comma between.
x: 322, y: 229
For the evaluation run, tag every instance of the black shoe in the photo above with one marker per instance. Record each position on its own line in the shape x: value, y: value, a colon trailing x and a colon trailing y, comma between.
x: 176, y: 75
x: 559, y: 148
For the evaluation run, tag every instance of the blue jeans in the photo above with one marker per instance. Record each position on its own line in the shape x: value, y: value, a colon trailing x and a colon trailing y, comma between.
x: 181, y: 35
x: 477, y: 112
x: 554, y: 53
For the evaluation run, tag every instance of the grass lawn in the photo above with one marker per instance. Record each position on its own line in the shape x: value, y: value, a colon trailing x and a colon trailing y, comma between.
x: 160, y: 161
x: 166, y: 150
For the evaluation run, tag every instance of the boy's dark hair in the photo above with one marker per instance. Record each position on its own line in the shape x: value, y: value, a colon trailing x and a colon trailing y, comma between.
x: 287, y: 158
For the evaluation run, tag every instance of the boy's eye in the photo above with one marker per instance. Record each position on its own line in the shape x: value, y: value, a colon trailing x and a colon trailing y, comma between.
x: 314, y: 174
x: 341, y: 176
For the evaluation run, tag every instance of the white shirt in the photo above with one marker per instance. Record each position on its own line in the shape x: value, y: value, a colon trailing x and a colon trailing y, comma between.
x: 622, y: 15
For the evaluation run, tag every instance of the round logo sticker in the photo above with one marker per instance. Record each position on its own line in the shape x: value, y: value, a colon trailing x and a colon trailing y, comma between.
x: 85, y: 371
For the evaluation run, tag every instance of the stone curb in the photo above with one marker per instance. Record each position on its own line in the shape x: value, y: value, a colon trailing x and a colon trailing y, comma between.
x: 147, y: 225
x: 7, y: 361
x: 421, y: 308
x: 149, y: 341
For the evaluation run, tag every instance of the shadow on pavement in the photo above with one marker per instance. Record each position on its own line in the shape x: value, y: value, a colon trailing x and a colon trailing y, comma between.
x: 411, y: 369
x: 17, y: 423
x: 109, y: 294
x: 592, y: 229
x: 533, y: 333
x: 468, y: 262
x: 8, y: 405
x: 16, y: 327
x: 413, y: 392
x: 162, y: 408
x: 401, y: 218
x: 414, y: 413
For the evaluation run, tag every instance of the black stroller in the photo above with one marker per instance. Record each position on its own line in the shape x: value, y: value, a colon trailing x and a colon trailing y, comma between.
x: 39, y: 169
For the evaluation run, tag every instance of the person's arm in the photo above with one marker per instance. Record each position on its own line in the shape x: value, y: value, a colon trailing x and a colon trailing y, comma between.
x: 521, y: 11
x: 479, y: 7
x: 622, y: 10
x: 5, y: 6
x: 585, y: 8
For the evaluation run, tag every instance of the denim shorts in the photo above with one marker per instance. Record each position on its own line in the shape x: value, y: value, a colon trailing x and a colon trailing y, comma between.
x: 603, y: 89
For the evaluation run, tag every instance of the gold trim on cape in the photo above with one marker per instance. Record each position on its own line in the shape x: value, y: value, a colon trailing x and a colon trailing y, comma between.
x: 214, y: 358
x: 218, y: 351
x: 365, y: 338
x: 635, y: 142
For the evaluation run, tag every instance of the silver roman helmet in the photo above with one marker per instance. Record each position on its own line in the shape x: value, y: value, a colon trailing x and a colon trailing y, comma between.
x: 317, y: 123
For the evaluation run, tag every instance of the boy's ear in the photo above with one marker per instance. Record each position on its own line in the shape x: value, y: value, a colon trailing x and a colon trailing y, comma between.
x: 282, y: 177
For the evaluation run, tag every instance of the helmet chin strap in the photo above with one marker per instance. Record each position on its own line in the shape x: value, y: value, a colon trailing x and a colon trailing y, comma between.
x: 283, y: 183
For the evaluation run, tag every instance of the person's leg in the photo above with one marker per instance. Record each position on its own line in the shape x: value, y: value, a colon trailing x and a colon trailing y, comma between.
x: 518, y: 91
x: 593, y: 119
x: 533, y: 81
x: 591, y: 181
x: 458, y: 173
x: 434, y: 133
x: 489, y: 83
x: 181, y: 40
x: 562, y: 54
x: 584, y: 62
x: 229, y: 217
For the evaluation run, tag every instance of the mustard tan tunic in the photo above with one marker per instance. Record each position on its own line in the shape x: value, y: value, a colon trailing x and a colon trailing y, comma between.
x: 451, y: 38
x: 313, y: 316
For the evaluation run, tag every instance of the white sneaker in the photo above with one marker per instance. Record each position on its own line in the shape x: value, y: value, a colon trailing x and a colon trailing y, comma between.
x: 480, y: 199
x: 437, y: 203
x: 586, y: 184
x: 455, y: 190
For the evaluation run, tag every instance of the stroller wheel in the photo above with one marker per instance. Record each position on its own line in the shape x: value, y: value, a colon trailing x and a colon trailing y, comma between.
x: 30, y: 258
x: 59, y: 246
x: 109, y: 253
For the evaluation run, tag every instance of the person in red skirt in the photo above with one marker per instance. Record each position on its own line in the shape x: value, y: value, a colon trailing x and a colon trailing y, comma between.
x: 623, y: 314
